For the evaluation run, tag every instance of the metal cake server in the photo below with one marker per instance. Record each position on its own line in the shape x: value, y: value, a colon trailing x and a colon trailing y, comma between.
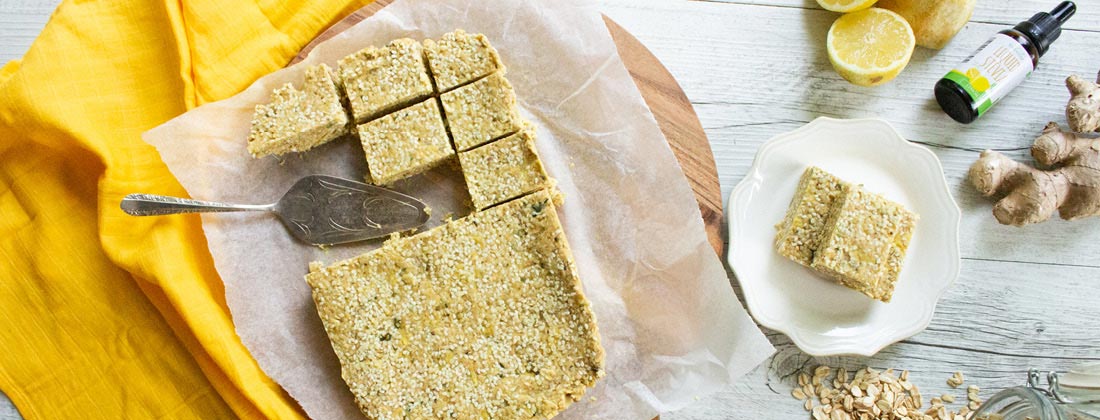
x: 318, y: 209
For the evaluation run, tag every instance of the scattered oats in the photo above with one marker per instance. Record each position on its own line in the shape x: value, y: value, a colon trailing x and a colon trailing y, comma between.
x: 857, y: 392
x: 798, y: 394
x: 956, y: 380
x: 972, y: 393
x: 884, y: 405
x: 835, y: 415
x: 866, y: 402
x: 870, y: 394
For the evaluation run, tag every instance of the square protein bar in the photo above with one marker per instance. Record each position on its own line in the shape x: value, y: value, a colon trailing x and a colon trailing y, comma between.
x: 865, y: 241
x: 504, y: 169
x: 380, y: 80
x: 405, y: 142
x: 298, y: 120
x: 483, y: 317
x: 458, y: 58
x: 481, y: 111
x: 801, y: 230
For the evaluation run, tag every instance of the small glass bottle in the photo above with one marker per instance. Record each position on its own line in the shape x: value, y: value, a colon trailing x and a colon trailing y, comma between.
x: 998, y: 66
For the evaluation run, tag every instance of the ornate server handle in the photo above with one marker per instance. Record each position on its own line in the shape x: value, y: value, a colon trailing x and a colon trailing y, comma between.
x: 155, y: 205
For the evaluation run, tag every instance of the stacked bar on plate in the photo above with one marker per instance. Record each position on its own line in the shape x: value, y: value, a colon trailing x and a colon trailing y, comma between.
x: 483, y: 317
x: 855, y: 237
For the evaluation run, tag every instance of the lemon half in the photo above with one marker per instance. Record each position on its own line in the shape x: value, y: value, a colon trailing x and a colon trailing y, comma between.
x: 870, y: 47
x: 845, y: 6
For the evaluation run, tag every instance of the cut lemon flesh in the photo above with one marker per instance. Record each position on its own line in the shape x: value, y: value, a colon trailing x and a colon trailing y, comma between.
x: 870, y: 47
x: 845, y: 6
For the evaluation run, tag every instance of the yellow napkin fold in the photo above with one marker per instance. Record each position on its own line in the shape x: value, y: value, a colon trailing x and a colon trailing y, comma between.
x: 103, y: 315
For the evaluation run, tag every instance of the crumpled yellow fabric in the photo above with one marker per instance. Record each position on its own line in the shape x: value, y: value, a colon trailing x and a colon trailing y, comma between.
x: 103, y: 315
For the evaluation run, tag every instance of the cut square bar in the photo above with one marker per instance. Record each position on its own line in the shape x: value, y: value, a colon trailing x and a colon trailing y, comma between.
x: 864, y: 245
x: 504, y: 169
x: 380, y: 80
x: 458, y: 58
x: 483, y: 317
x: 481, y: 111
x: 801, y: 230
x: 405, y: 142
x: 298, y: 120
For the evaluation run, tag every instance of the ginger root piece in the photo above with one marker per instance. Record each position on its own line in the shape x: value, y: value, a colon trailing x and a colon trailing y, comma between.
x: 934, y: 22
x: 1031, y: 195
x: 1083, y: 110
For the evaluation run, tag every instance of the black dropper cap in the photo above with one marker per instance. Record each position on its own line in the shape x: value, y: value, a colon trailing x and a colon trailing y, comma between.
x: 1044, y: 28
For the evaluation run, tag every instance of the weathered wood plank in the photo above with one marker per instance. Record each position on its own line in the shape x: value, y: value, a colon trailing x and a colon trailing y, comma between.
x: 747, y: 89
x: 7, y: 409
x: 22, y: 21
x: 998, y: 320
x: 1001, y: 13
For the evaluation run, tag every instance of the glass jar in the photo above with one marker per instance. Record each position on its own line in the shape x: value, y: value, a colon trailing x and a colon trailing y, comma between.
x: 1061, y: 399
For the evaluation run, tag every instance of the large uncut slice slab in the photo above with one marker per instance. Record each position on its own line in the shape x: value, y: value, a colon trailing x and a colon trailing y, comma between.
x: 298, y: 120
x: 481, y: 111
x: 483, y: 317
x: 801, y: 230
x: 504, y: 169
x: 864, y: 245
x: 405, y: 142
x: 458, y: 58
x: 380, y: 80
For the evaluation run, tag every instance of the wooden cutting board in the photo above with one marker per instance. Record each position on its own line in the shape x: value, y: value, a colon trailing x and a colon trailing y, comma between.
x: 671, y: 107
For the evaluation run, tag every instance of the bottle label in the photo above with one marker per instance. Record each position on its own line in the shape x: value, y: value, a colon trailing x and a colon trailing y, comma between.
x: 996, y: 68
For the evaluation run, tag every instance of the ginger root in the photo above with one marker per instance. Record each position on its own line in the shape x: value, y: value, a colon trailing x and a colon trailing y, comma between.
x: 1083, y: 110
x: 1031, y: 195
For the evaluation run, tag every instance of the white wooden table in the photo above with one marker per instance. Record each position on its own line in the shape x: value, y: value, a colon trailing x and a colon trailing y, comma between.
x: 1026, y: 297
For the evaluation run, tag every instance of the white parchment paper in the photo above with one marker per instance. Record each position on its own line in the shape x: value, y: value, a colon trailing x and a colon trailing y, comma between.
x: 670, y: 323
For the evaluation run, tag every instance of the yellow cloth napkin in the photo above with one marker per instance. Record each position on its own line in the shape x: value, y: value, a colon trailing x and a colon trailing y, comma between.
x: 103, y: 315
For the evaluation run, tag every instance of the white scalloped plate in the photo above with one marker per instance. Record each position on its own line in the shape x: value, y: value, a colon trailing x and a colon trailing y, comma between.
x: 821, y: 317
